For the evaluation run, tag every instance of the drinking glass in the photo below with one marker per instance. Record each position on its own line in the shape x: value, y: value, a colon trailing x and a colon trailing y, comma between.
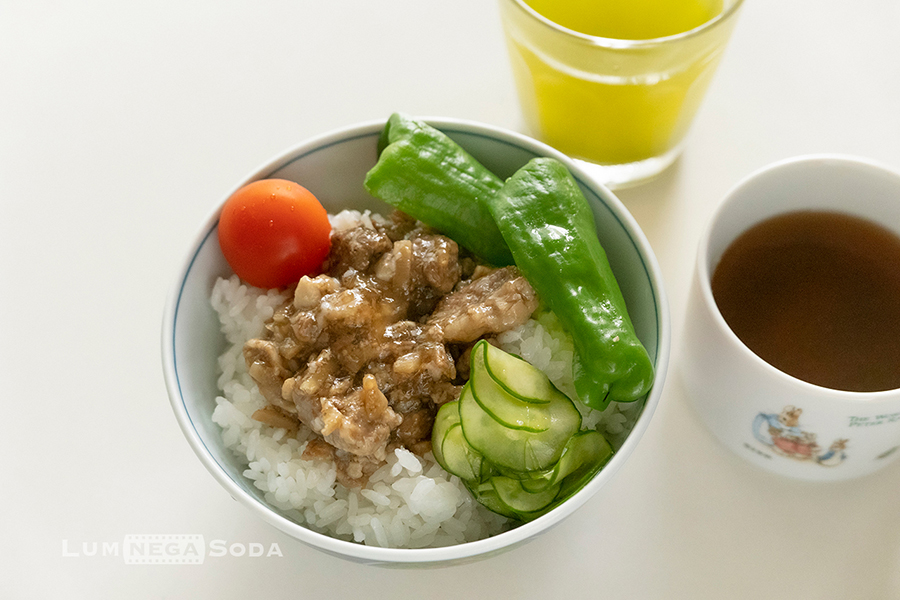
x: 624, y: 105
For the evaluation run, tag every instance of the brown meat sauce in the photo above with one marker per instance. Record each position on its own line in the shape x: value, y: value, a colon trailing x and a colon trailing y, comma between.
x: 365, y: 353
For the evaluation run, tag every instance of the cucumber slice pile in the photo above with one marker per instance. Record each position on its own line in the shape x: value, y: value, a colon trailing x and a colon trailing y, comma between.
x: 514, y: 439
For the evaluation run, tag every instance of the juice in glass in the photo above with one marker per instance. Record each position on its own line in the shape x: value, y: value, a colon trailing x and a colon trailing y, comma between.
x: 628, y: 19
x: 615, y: 82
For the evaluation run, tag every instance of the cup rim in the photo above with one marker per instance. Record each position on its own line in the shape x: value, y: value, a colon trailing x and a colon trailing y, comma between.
x: 624, y: 44
x: 422, y: 556
x: 704, y: 275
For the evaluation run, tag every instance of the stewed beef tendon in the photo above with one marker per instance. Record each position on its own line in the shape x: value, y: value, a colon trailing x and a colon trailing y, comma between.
x: 366, y: 352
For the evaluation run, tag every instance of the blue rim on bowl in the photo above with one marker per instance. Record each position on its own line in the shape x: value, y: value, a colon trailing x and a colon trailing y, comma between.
x: 204, y: 263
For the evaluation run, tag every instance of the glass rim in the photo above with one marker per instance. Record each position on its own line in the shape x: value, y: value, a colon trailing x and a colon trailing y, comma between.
x: 606, y: 42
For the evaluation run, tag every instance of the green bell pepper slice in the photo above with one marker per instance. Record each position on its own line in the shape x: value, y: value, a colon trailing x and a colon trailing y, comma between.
x: 550, y: 229
x: 425, y: 174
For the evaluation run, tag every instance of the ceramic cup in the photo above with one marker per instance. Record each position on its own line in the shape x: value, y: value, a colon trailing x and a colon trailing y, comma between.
x: 772, y: 419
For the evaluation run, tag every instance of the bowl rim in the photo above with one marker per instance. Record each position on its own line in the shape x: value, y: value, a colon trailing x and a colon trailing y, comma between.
x: 468, y: 550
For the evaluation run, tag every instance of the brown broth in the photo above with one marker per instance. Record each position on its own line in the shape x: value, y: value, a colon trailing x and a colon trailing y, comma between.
x: 817, y: 295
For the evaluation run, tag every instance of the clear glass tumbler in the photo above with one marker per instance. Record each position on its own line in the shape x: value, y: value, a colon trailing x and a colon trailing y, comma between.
x: 623, y: 105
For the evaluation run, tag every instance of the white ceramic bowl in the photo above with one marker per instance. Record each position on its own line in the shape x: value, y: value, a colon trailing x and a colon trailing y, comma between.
x: 333, y: 167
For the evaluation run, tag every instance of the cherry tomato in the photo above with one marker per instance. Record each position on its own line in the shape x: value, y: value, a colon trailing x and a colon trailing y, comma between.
x: 273, y: 231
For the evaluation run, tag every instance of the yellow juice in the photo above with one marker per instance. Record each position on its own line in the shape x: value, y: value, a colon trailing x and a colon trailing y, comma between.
x: 628, y: 19
x: 614, y: 103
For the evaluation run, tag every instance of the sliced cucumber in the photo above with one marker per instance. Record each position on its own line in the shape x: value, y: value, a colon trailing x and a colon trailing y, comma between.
x: 450, y: 448
x: 519, y: 455
x: 447, y: 416
x: 511, y: 493
x: 518, y: 377
x: 516, y: 474
x: 510, y: 411
x: 462, y: 460
x: 518, y: 449
x: 485, y: 494
x: 584, y: 452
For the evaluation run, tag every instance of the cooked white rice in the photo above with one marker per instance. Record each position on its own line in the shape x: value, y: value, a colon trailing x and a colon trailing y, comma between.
x: 410, y: 502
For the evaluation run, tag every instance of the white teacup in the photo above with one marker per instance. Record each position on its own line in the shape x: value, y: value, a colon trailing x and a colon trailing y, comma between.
x: 772, y: 419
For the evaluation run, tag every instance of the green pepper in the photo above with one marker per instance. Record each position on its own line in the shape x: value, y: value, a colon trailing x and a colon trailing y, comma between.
x: 549, y: 227
x: 427, y: 175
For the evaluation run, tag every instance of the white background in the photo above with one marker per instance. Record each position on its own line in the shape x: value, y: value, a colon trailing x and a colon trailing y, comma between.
x: 122, y: 124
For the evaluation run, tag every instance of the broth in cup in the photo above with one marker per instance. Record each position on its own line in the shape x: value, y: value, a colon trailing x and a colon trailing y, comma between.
x: 817, y: 295
x: 791, y: 345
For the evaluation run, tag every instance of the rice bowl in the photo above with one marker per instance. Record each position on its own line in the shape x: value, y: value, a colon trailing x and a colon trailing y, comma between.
x: 265, y: 473
x: 410, y: 502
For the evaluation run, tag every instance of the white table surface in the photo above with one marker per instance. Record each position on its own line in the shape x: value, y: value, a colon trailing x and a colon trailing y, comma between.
x: 122, y: 124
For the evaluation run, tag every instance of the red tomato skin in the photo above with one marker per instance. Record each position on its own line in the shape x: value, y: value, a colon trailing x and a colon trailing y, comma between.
x: 272, y: 232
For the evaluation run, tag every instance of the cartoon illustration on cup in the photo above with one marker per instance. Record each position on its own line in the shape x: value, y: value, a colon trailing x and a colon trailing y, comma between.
x: 783, y: 435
